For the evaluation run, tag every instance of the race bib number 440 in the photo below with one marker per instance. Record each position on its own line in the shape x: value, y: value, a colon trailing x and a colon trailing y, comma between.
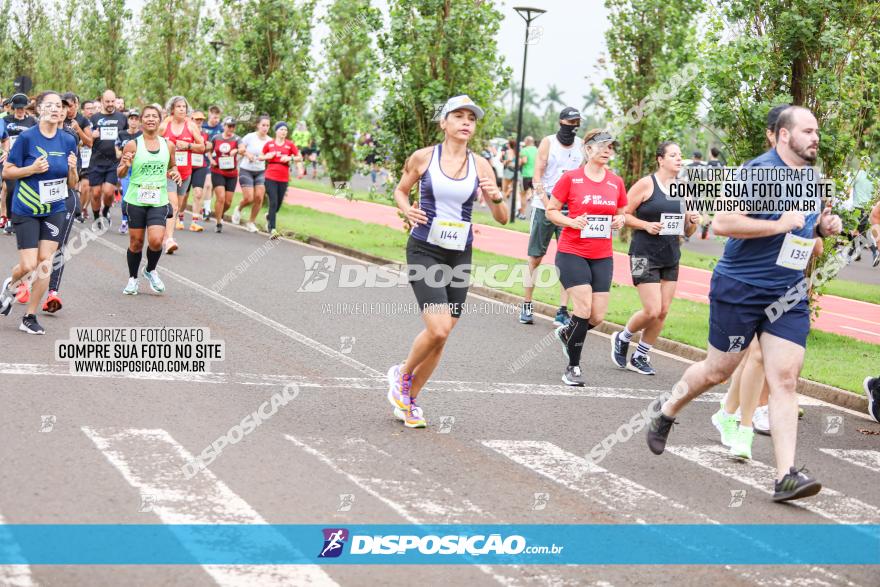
x: 449, y: 234
x: 597, y: 227
x: 795, y: 252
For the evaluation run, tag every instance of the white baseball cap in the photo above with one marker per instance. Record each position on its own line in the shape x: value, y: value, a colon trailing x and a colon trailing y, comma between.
x: 462, y: 102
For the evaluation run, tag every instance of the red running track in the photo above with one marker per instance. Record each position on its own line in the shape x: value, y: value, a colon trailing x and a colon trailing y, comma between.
x: 851, y: 318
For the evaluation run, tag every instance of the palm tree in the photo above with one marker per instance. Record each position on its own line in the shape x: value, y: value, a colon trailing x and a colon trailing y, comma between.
x: 591, y: 98
x: 553, y: 99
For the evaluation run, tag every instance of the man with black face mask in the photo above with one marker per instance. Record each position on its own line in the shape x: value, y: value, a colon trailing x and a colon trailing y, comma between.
x: 557, y: 154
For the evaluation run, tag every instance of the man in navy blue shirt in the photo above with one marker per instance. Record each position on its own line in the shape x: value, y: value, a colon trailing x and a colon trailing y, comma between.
x: 755, y: 271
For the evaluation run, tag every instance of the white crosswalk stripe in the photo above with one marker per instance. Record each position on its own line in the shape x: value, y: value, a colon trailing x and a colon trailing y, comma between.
x: 868, y: 459
x: 418, y: 499
x: 13, y: 575
x: 151, y: 461
x: 633, y: 501
x: 828, y: 503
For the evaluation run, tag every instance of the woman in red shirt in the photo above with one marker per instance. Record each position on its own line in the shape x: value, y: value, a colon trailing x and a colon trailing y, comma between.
x: 186, y: 138
x: 278, y: 153
x: 596, y: 200
x: 224, y: 169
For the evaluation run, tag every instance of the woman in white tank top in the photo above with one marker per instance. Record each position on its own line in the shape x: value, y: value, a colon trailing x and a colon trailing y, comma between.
x: 438, y: 253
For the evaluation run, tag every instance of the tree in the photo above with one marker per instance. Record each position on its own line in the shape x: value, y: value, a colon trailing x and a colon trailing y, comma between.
x: 26, y: 22
x: 267, y: 62
x: 170, y: 49
x: 102, y: 47
x: 648, y: 42
x: 55, y: 63
x: 824, y: 56
x: 553, y: 99
x: 436, y: 49
x: 349, y: 82
x: 821, y: 55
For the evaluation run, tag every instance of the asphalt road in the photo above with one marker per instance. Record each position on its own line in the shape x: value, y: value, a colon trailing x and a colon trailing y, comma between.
x: 504, y: 444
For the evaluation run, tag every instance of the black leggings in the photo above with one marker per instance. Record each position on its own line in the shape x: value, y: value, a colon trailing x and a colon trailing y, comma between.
x: 72, y: 204
x: 276, y: 191
x: 10, y: 187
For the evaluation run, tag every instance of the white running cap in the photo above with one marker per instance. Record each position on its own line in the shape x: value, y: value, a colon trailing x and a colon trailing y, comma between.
x: 462, y: 102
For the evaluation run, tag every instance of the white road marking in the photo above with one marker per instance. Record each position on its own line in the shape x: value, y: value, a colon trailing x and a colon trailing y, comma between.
x: 828, y: 503
x: 402, y: 497
x: 13, y: 575
x: 632, y: 501
x: 869, y: 459
x: 254, y: 315
x: 150, y: 460
x: 862, y: 331
x: 377, y: 383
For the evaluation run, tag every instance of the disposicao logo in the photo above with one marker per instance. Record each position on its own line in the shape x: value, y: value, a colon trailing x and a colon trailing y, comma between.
x: 334, y: 540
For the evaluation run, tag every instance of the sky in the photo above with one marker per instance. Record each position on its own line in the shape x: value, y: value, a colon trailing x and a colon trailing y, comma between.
x: 568, y: 40
x: 568, y: 44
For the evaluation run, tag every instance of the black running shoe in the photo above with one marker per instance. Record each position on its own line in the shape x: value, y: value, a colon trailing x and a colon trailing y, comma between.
x: 659, y: 426
x: 6, y: 298
x: 641, y: 364
x: 872, y: 390
x: 795, y: 485
x: 30, y: 325
x: 219, y: 227
x: 561, y: 333
x: 619, y: 350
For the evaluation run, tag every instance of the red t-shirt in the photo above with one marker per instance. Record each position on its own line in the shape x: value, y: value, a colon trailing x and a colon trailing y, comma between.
x: 585, y: 196
x: 275, y: 169
x: 181, y: 158
x: 224, y: 149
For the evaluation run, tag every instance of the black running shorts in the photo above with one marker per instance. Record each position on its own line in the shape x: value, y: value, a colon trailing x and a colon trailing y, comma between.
x: 438, y: 276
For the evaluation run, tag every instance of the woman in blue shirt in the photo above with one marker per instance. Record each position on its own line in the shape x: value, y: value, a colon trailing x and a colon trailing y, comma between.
x: 43, y: 163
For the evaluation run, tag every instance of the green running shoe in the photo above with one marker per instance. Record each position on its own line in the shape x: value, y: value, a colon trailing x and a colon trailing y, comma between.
x: 725, y: 424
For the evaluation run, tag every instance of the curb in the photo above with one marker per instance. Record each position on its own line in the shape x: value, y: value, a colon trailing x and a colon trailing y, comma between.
x: 813, y: 389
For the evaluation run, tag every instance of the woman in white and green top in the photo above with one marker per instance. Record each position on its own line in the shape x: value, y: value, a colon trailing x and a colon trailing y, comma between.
x: 252, y: 173
x: 151, y: 160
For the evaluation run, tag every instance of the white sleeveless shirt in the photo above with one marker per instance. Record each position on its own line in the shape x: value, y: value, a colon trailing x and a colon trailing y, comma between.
x: 559, y: 160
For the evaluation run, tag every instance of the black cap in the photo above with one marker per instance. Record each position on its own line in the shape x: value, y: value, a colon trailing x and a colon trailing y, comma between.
x: 69, y: 98
x: 133, y: 113
x: 229, y: 121
x: 19, y: 101
x: 773, y: 115
x: 569, y: 113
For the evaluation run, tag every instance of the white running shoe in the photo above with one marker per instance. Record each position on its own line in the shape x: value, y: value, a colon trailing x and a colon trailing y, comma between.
x: 236, y: 216
x: 761, y: 420
x: 251, y: 227
x: 155, y: 283
x: 132, y: 288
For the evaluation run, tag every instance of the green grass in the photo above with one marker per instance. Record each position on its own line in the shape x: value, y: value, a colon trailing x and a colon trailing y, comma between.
x: 845, y: 289
x: 831, y: 359
x: 853, y: 290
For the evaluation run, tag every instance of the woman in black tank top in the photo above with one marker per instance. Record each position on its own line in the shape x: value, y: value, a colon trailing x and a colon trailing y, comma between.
x: 658, y: 223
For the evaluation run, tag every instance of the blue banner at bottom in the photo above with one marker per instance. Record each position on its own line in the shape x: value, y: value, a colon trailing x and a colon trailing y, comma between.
x: 745, y: 544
